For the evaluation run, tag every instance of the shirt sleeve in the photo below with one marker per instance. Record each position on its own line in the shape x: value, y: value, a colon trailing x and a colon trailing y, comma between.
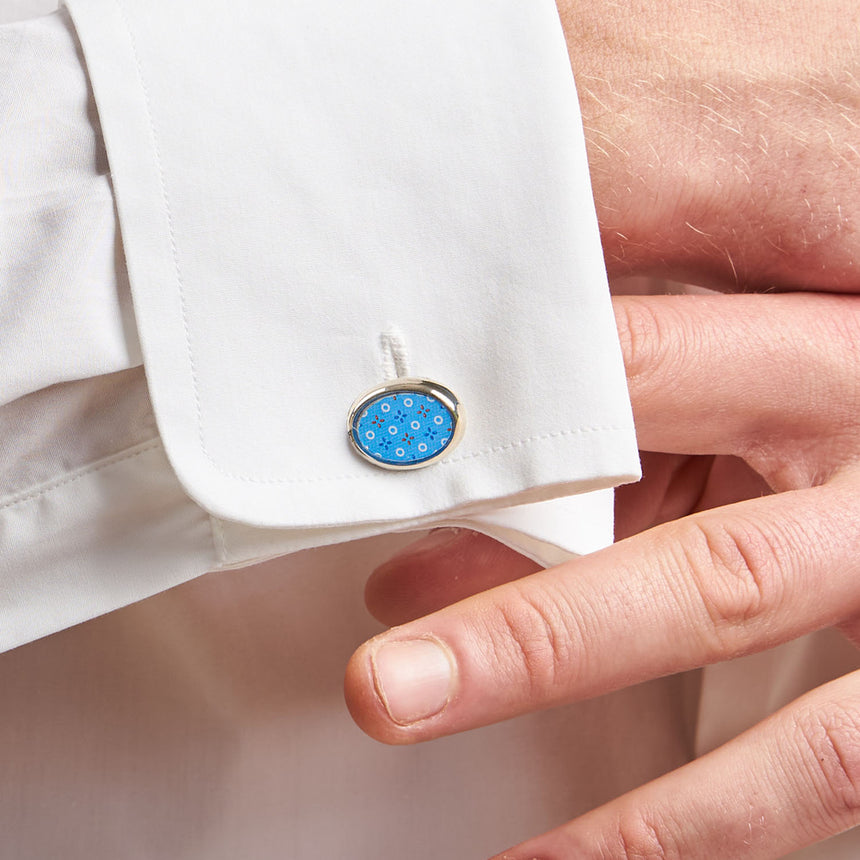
x: 298, y: 188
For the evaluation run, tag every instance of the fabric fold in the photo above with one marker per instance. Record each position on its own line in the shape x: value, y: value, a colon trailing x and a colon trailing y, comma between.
x: 453, y: 209
x: 280, y: 211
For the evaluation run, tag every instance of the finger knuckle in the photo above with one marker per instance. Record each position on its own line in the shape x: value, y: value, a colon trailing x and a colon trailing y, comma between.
x: 640, y: 332
x: 534, y: 638
x: 639, y: 836
x: 829, y: 738
x: 737, y: 578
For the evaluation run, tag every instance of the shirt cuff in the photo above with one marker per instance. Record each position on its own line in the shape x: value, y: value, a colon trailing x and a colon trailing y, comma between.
x: 385, y: 169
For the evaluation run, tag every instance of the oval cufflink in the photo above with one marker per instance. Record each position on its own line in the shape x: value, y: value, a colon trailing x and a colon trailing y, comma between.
x: 405, y: 424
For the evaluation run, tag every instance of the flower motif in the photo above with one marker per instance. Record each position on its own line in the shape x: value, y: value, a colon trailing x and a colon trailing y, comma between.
x: 405, y: 427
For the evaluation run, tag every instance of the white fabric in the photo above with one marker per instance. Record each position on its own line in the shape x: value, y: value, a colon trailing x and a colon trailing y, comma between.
x: 65, y: 314
x: 208, y: 722
x: 459, y: 220
x: 282, y: 211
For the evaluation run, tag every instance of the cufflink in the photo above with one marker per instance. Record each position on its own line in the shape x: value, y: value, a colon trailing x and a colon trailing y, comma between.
x: 405, y: 424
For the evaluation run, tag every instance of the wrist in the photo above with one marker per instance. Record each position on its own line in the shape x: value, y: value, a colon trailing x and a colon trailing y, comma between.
x: 720, y: 155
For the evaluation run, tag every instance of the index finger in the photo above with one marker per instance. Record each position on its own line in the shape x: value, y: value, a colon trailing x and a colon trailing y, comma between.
x: 705, y: 588
x: 691, y: 592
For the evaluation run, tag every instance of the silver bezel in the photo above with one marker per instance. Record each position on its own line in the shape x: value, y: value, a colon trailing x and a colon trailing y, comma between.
x: 421, y: 386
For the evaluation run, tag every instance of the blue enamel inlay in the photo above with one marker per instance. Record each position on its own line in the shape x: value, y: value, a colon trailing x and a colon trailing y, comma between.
x: 403, y: 428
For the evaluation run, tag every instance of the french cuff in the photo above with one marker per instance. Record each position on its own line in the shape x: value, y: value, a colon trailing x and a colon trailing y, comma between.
x: 311, y: 202
x: 298, y: 185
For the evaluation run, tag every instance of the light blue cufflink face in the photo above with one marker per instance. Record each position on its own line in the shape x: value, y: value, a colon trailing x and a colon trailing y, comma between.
x: 405, y: 424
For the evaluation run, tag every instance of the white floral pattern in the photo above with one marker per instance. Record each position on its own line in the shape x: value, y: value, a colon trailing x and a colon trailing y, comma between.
x: 417, y: 427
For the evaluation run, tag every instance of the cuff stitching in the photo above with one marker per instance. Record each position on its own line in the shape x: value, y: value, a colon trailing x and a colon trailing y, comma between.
x: 128, y: 454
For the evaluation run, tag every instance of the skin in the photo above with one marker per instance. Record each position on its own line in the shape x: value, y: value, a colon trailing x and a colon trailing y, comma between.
x: 723, y: 137
x: 723, y: 141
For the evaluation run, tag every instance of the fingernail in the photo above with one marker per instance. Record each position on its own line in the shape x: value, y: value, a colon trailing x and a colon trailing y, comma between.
x: 414, y: 679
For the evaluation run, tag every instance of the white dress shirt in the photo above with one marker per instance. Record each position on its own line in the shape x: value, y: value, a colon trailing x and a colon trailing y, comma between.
x: 283, y: 220
x: 283, y: 217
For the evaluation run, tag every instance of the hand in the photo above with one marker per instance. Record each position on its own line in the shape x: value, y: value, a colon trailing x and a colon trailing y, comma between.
x: 765, y: 387
x: 723, y: 137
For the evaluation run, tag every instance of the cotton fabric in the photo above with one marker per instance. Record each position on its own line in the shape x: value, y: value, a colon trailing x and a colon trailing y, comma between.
x: 207, y: 721
x: 269, y: 275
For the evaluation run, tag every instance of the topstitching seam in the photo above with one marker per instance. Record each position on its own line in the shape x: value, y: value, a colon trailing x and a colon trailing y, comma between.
x: 70, y: 479
x: 496, y: 449
x: 188, y: 339
x: 168, y: 213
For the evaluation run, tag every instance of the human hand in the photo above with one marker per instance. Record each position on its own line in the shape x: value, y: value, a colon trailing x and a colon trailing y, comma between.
x: 723, y: 137
x: 769, y: 387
